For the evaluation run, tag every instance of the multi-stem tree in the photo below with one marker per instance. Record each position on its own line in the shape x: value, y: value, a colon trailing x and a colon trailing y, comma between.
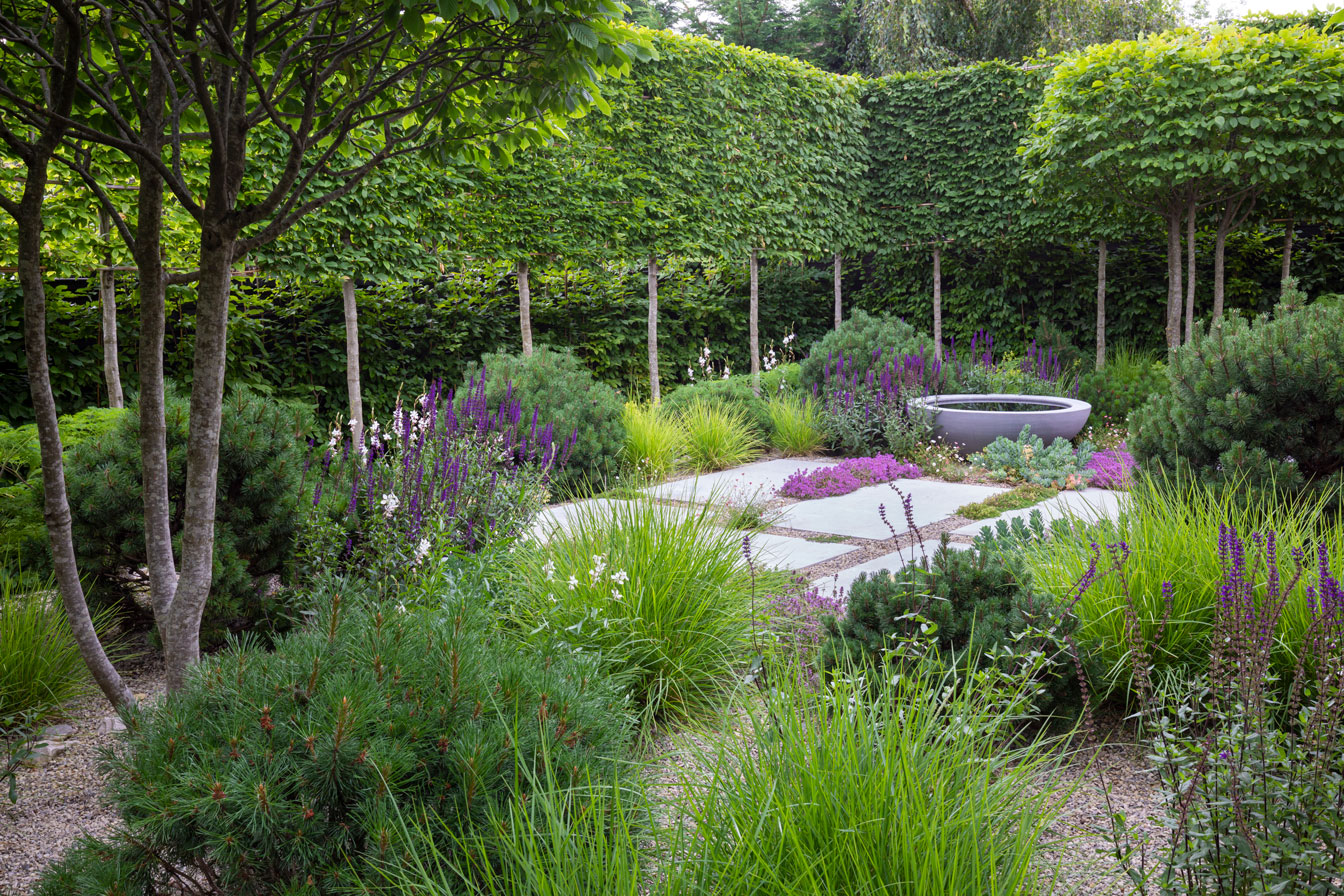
x: 149, y: 77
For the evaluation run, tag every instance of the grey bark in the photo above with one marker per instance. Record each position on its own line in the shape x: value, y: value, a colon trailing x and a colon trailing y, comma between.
x: 154, y: 474
x: 1287, y: 270
x: 838, y: 262
x: 753, y: 324
x: 352, y: 386
x: 1234, y: 212
x: 1174, y: 291
x: 1101, y: 304
x: 938, y: 302
x: 27, y: 214
x: 1190, y: 272
x: 107, y: 300
x: 655, y: 391
x: 525, y: 307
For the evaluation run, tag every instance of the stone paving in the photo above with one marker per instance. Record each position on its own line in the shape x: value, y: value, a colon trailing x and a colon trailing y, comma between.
x: 831, y: 541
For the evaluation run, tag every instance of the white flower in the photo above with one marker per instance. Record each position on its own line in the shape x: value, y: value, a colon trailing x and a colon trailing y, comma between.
x: 390, y: 504
x: 599, y: 566
x: 789, y: 338
x: 549, y: 569
x: 335, y: 437
x: 727, y: 371
x: 620, y: 577
x: 421, y: 550
x: 573, y: 583
x: 616, y: 594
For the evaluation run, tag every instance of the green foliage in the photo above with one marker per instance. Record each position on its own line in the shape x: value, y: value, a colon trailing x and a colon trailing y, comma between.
x: 257, y: 516
x: 856, y: 340
x: 1127, y: 381
x: 717, y: 437
x: 23, y: 531
x: 563, y: 840
x: 1027, y: 459
x: 972, y: 600
x: 654, y: 440
x: 1170, y: 528
x: 795, y: 425
x: 923, y: 790
x: 286, y: 772
x: 1024, y: 495
x: 733, y: 395
x: 1254, y: 404
x: 564, y: 393
x: 662, y: 595
x: 41, y: 668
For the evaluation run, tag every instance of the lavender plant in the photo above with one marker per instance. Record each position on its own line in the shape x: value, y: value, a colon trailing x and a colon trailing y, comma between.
x: 1252, y: 766
x: 449, y: 469
x: 867, y: 403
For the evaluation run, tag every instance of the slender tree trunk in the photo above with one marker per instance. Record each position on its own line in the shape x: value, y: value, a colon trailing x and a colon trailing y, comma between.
x: 655, y: 392
x: 107, y: 299
x: 838, y: 263
x: 525, y: 307
x: 55, y: 501
x: 753, y: 324
x: 352, y: 387
x: 1219, y: 256
x: 1287, y: 251
x: 1190, y: 272
x: 1101, y: 304
x: 1174, y: 290
x: 154, y: 473
x: 938, y: 302
x: 181, y: 635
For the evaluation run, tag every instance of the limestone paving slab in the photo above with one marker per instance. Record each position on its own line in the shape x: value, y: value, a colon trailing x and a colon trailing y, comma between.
x: 1090, y: 505
x: 787, y: 552
x: 839, y: 583
x: 738, y: 484
x: 855, y: 515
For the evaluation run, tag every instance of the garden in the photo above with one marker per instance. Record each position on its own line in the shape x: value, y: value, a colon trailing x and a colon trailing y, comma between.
x: 753, y: 594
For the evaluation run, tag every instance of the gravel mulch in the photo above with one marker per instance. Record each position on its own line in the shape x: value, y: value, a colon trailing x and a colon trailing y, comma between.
x: 64, y: 799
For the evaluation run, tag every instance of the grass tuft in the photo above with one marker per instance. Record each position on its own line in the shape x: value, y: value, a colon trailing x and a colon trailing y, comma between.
x: 796, y: 425
x: 654, y: 440
x: 718, y: 436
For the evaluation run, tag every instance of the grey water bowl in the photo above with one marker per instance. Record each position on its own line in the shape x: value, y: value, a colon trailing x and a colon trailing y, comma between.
x: 973, y: 421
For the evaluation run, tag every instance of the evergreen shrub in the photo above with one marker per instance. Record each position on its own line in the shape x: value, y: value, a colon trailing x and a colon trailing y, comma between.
x: 1127, y: 381
x: 866, y: 342
x: 961, y: 592
x: 733, y: 394
x: 1259, y: 402
x: 1028, y: 459
x: 23, y: 531
x: 291, y: 772
x: 257, y: 514
x: 555, y: 385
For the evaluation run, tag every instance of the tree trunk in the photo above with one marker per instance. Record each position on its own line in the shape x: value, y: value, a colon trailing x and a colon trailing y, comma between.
x: 838, y: 269
x: 753, y: 325
x: 1219, y: 255
x: 352, y: 387
x: 1287, y: 252
x: 1101, y: 304
x: 525, y: 307
x: 1174, y: 291
x: 154, y: 473
x: 55, y: 501
x: 938, y: 302
x: 1190, y: 272
x: 181, y: 634
x: 655, y: 393
x: 107, y: 298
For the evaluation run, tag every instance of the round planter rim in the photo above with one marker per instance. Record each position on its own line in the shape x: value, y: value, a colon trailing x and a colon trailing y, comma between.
x: 1059, y: 404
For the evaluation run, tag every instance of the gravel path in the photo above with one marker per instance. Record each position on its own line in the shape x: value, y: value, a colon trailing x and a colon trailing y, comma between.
x: 64, y: 799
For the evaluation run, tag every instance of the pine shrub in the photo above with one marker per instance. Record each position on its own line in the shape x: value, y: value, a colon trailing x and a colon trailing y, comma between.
x: 733, y: 394
x: 294, y: 772
x: 964, y: 593
x: 865, y: 341
x: 1128, y: 380
x: 557, y: 386
x: 1259, y: 403
x: 257, y: 514
x: 23, y: 532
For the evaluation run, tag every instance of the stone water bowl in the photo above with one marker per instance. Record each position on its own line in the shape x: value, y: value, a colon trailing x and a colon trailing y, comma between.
x: 973, y: 421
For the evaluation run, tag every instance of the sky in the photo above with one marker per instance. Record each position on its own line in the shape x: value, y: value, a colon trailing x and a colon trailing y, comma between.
x: 1237, y: 7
